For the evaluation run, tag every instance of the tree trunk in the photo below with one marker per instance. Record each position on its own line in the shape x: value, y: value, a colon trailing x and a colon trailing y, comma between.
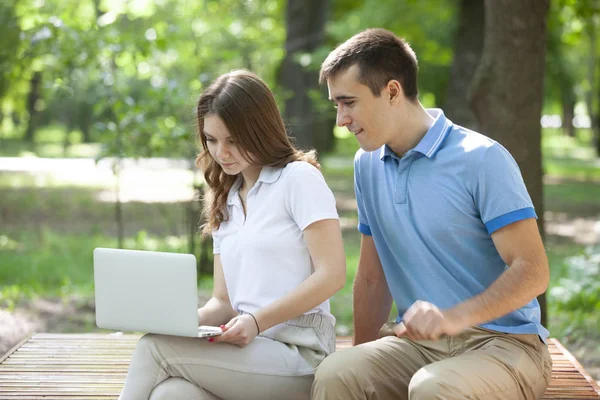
x: 568, y: 113
x: 596, y: 138
x: 310, y: 125
x: 32, y: 98
x: 117, y: 169
x: 468, y: 45
x: 559, y: 72
x: 507, y: 91
x: 85, y: 119
x: 590, y: 99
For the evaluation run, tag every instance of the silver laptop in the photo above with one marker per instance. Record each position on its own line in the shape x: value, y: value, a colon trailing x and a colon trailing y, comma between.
x: 147, y: 291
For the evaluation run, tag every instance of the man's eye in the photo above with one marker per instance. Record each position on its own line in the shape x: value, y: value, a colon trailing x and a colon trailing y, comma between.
x: 348, y: 103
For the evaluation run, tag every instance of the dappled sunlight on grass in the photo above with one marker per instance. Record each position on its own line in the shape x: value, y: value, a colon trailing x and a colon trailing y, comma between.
x: 558, y: 145
x: 150, y: 180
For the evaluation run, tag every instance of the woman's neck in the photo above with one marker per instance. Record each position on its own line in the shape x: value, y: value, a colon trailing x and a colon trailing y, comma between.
x: 249, y: 177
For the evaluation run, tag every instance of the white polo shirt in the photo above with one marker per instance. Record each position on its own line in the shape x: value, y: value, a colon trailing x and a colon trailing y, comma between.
x: 263, y: 254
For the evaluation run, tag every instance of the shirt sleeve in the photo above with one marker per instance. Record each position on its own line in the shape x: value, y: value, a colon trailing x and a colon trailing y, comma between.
x: 308, y: 198
x: 363, y: 223
x: 216, y: 242
x: 500, y: 192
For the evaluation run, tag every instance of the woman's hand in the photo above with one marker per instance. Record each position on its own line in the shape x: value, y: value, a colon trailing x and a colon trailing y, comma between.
x: 240, y: 331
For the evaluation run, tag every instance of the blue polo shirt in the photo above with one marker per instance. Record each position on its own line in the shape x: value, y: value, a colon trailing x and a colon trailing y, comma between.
x: 431, y: 213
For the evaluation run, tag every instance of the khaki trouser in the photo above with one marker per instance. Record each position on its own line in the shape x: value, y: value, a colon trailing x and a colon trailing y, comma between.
x: 476, y: 364
x: 278, y: 364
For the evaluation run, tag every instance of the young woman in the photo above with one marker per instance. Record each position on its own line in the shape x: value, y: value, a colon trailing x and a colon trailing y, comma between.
x: 278, y: 258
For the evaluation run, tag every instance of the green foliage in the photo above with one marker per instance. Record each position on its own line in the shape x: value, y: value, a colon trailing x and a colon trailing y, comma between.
x: 9, y: 43
x: 136, y: 67
x: 579, y: 290
x: 427, y: 25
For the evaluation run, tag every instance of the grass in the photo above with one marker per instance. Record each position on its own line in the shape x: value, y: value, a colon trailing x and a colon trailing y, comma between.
x: 48, y: 228
x: 48, y: 263
x: 49, y: 143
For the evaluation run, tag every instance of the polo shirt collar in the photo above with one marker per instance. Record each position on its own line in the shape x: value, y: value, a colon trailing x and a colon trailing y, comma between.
x: 267, y: 175
x: 433, y: 139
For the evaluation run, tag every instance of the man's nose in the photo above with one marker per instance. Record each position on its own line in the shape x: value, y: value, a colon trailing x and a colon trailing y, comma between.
x: 342, y: 119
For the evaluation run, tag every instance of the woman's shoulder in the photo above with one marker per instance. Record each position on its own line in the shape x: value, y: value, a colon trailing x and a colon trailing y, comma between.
x: 299, y: 168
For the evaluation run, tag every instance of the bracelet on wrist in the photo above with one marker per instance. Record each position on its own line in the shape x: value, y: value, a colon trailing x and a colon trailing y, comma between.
x: 256, y: 322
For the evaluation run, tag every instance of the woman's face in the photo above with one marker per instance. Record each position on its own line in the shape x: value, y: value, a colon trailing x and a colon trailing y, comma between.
x: 222, y: 147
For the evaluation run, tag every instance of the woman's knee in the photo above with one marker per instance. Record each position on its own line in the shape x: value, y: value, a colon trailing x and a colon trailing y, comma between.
x: 147, y: 343
x: 178, y: 389
x: 149, y: 339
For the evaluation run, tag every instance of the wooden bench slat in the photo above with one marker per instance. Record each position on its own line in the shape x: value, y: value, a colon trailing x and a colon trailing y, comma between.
x: 94, y: 366
x: 50, y: 361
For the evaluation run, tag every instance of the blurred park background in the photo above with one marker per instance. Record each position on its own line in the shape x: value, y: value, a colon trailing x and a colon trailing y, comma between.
x: 97, y: 102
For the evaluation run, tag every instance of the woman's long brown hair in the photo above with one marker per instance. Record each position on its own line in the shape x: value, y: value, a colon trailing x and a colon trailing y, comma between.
x: 248, y: 109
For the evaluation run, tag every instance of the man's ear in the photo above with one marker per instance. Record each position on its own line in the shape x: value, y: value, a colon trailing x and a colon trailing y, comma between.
x: 394, y: 91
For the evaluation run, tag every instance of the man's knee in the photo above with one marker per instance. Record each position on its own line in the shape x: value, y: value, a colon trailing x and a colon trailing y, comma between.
x: 425, y: 385
x: 330, y: 371
x: 342, y: 375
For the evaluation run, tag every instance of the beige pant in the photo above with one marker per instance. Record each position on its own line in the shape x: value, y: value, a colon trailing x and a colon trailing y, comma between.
x: 279, y: 364
x: 477, y: 364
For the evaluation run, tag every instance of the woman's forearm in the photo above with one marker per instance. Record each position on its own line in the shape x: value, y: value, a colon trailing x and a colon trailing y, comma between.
x: 215, y: 312
x: 316, y: 289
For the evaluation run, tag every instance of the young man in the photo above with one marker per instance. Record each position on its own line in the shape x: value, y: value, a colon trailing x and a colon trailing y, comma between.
x: 448, y: 232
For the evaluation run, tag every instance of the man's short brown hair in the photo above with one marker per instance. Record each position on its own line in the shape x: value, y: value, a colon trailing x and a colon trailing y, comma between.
x: 381, y: 56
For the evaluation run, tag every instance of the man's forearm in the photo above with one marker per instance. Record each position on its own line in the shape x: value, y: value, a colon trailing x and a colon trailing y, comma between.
x: 516, y: 287
x: 372, y: 305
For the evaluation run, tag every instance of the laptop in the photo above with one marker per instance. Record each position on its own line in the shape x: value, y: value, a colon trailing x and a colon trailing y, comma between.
x: 147, y: 291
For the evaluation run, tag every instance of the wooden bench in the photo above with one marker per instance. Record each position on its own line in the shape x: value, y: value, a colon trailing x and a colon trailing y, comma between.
x: 93, y: 366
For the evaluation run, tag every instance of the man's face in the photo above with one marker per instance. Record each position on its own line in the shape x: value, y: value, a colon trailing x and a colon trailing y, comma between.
x: 362, y: 113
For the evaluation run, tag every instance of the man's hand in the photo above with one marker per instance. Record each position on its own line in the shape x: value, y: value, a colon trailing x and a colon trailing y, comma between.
x: 240, y: 331
x: 425, y: 321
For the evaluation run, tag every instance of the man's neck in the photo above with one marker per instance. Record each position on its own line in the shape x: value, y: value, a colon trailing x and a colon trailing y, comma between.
x: 413, y: 124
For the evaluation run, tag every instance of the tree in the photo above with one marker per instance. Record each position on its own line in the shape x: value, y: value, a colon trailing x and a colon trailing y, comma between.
x: 412, y: 20
x: 9, y: 42
x: 592, y: 92
x: 299, y: 78
x: 560, y: 73
x: 507, y: 90
x: 467, y: 52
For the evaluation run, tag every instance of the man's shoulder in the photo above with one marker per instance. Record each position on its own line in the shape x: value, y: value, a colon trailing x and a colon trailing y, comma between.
x: 364, y: 159
x: 469, y: 139
x: 467, y: 145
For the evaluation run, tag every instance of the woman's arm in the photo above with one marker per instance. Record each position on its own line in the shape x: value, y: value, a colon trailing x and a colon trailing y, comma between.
x: 324, y: 241
x: 217, y: 311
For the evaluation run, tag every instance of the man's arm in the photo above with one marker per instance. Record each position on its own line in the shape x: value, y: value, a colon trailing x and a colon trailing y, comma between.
x: 520, y: 246
x: 372, y: 298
